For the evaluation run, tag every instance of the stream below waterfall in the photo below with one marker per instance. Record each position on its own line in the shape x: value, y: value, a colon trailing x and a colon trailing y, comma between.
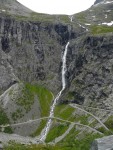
x: 64, y: 69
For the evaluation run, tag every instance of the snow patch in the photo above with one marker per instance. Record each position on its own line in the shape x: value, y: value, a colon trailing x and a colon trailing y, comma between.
x: 108, y: 24
x: 108, y: 2
x: 104, y: 2
x: 108, y: 10
x: 87, y: 24
x: 106, y: 16
x: 3, y: 10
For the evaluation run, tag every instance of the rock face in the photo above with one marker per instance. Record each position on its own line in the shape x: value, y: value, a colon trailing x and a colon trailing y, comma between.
x: 30, y: 52
x: 105, y: 143
x: 96, y: 15
x: 13, y: 7
x: 27, y: 48
x: 90, y: 67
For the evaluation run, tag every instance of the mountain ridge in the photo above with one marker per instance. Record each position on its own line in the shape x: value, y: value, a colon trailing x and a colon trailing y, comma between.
x: 98, y: 1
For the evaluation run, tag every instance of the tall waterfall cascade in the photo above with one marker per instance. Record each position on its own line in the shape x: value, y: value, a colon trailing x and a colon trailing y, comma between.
x: 64, y: 69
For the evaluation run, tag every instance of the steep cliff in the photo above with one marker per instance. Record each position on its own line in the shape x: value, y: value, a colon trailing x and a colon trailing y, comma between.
x: 91, y: 70
x: 30, y: 52
x: 31, y: 48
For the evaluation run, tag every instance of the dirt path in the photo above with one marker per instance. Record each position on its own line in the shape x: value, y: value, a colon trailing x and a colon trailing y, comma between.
x: 5, y: 138
x: 30, y: 121
x: 5, y: 100
x: 75, y: 106
x: 58, y: 139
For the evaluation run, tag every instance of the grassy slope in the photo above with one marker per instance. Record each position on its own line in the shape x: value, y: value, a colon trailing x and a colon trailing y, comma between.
x: 26, y: 100
x: 98, y: 29
x: 68, y: 144
x: 45, y: 98
x: 4, y: 120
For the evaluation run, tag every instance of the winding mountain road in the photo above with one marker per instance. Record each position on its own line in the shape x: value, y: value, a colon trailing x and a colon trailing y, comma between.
x: 75, y: 106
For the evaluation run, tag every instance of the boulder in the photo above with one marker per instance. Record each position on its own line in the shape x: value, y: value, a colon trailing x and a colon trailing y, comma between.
x: 105, y: 143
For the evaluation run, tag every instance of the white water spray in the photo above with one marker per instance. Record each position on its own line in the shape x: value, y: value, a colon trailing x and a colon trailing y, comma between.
x: 71, y: 18
x: 47, y: 127
x: 83, y: 27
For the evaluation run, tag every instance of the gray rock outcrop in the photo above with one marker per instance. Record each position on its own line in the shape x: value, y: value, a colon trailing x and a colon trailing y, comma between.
x: 31, y: 51
x: 90, y: 70
x: 105, y: 143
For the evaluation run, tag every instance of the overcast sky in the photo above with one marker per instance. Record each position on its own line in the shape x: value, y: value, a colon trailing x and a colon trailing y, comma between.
x: 68, y: 7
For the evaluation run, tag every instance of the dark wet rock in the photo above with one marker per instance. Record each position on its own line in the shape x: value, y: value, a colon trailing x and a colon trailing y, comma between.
x: 33, y: 49
x: 89, y: 62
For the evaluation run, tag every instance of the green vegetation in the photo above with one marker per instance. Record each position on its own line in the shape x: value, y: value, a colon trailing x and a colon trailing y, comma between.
x: 64, y: 18
x: 26, y: 99
x: 4, y: 120
x: 83, y: 143
x: 64, y: 111
x: 44, y: 95
x: 33, y: 17
x: 74, y: 94
x: 1, y: 91
x: 21, y: 18
x: 81, y: 17
x: 104, y: 131
x: 41, y: 18
x: 70, y: 95
x: 97, y: 29
x: 18, y: 114
x: 8, y: 130
x: 83, y: 119
x: 109, y: 123
x: 94, y: 123
x: 16, y: 146
x: 38, y: 131
x: 49, y: 18
x: 69, y: 143
x: 56, y: 131
x: 45, y: 98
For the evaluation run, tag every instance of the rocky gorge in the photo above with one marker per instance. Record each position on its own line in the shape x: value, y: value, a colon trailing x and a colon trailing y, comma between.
x: 31, y: 49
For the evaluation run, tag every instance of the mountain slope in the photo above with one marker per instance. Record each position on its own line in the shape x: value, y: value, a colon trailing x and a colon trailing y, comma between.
x: 14, y: 8
x: 31, y: 48
x: 99, y: 14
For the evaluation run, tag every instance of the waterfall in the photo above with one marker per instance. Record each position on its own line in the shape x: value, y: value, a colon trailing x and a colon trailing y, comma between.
x: 71, y: 18
x: 83, y: 27
x: 47, y: 127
